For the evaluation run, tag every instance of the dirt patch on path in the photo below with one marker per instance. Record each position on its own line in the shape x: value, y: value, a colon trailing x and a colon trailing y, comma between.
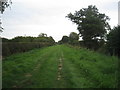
x: 60, y: 67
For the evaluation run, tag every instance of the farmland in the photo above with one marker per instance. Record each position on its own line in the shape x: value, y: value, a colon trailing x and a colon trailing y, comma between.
x: 60, y: 66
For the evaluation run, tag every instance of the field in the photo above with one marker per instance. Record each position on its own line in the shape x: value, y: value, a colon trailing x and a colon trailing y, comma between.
x: 60, y: 66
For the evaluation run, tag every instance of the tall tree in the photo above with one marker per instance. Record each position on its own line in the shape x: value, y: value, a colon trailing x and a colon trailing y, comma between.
x: 91, y: 24
x: 113, y: 41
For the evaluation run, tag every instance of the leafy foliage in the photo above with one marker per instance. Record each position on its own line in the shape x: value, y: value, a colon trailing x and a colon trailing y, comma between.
x: 72, y: 39
x: 92, y: 25
x: 74, y: 36
x: 4, y: 4
x: 22, y: 44
x: 65, y: 39
x: 113, y: 41
x: 42, y: 35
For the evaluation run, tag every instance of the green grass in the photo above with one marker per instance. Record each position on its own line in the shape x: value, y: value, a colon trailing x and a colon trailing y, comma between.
x: 39, y: 69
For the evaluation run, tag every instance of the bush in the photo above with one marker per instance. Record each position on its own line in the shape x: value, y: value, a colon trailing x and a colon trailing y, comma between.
x: 9, y: 48
x: 23, y: 44
x: 113, y: 41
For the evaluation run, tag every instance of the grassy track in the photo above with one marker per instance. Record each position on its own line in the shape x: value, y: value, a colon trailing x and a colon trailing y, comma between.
x: 39, y: 69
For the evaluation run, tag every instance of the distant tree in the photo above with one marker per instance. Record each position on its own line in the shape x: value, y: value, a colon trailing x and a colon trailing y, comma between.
x: 73, y: 38
x: 22, y: 39
x: 113, y: 41
x: 92, y: 25
x: 51, y: 39
x: 65, y: 39
x: 60, y: 42
x: 44, y: 39
x: 42, y: 35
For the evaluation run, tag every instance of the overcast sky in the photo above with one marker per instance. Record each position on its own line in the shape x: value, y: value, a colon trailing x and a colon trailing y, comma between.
x: 32, y: 17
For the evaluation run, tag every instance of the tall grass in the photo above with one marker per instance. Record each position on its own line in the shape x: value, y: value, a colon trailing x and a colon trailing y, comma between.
x: 38, y: 68
x: 90, y: 69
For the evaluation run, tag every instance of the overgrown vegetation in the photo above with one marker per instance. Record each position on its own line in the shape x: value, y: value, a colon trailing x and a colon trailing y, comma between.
x: 113, y: 41
x: 22, y: 44
x: 71, y: 39
x: 88, y: 69
x: 92, y: 26
x: 95, y: 31
x: 39, y: 69
x: 82, y: 68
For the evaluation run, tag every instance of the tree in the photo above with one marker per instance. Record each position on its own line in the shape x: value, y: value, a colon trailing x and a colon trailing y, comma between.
x: 92, y: 25
x: 113, y: 41
x: 42, y: 35
x: 74, y: 37
x: 51, y: 40
x: 4, y: 4
x: 65, y: 39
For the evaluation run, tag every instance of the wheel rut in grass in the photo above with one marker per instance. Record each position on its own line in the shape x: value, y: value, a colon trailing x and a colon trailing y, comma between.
x: 28, y: 75
x: 60, y: 67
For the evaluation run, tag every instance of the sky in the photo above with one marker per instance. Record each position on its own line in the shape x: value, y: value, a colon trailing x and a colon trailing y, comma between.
x: 32, y: 17
x: 119, y: 13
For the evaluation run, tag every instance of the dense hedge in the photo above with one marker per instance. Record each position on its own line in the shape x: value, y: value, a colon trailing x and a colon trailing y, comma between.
x: 9, y: 48
x: 24, y: 43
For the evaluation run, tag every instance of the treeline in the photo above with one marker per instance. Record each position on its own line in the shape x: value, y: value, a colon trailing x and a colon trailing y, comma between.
x: 23, y: 44
x: 110, y: 46
x: 73, y: 39
x: 95, y: 31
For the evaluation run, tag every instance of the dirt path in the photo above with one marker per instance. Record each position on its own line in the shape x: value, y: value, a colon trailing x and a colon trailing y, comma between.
x: 59, y: 69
